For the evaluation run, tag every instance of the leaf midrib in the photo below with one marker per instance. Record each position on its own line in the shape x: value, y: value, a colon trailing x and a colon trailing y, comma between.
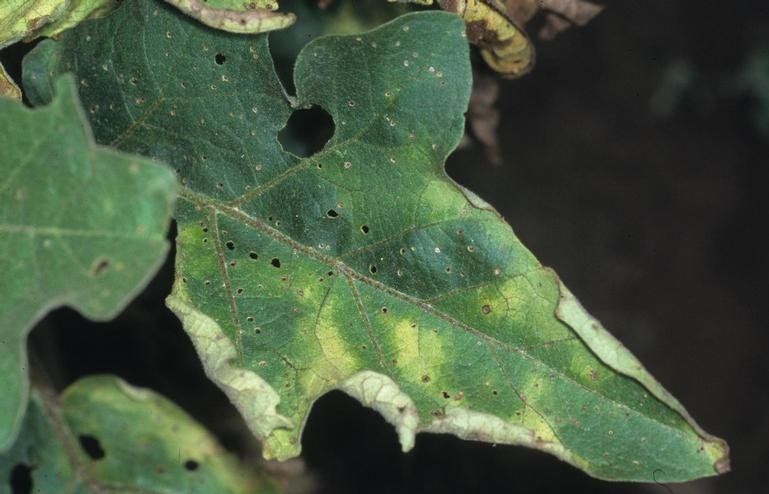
x: 206, y: 202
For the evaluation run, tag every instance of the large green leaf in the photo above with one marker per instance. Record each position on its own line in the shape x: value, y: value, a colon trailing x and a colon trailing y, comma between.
x: 363, y: 267
x: 80, y: 225
x: 104, y: 435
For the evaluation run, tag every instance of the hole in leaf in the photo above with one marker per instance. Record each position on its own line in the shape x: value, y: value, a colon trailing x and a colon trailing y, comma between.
x: 92, y: 447
x: 21, y: 479
x: 275, y: 262
x: 191, y: 465
x: 220, y: 59
x: 372, y: 269
x: 446, y: 395
x: 307, y: 131
x: 230, y: 245
x: 364, y: 229
x: 253, y: 255
x: 486, y: 309
x: 331, y: 213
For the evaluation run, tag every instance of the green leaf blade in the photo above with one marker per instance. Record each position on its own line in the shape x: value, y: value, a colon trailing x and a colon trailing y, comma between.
x: 363, y: 267
x: 80, y: 225
x: 140, y: 442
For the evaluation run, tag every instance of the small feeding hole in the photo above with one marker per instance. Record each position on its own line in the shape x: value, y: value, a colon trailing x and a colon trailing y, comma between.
x: 306, y: 131
x: 92, y: 447
x: 486, y: 309
x: 191, y: 465
x: 275, y: 262
x: 332, y: 213
x: 220, y: 59
x: 100, y: 266
x: 230, y: 245
x: 253, y: 255
x: 372, y: 269
x: 21, y: 479
x: 364, y: 229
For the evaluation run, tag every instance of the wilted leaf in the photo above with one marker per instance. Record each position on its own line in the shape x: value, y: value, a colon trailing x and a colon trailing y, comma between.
x: 8, y: 88
x: 80, y: 225
x: 363, y: 267
x: 237, y: 16
x: 505, y: 47
x: 483, y: 114
x: 104, y: 435
x: 559, y: 14
x: 28, y: 19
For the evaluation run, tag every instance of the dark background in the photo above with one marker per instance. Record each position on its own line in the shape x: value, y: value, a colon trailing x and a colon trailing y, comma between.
x: 635, y: 164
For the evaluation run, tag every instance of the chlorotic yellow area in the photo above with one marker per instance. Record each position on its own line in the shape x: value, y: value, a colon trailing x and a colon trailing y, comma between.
x: 336, y: 355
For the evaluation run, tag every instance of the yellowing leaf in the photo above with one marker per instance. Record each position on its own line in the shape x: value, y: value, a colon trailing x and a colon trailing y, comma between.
x: 363, y: 267
x: 237, y: 16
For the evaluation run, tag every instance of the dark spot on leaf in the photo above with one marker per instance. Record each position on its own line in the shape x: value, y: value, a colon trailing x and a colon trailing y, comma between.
x: 92, y: 447
x: 332, y: 213
x: 220, y: 59
x: 307, y: 132
x: 384, y: 310
x: 230, y: 245
x: 446, y: 394
x: 401, y: 409
x: 21, y: 479
x: 372, y: 269
x: 275, y: 262
x: 250, y: 319
x: 425, y: 378
x: 364, y: 229
x: 486, y: 309
x: 239, y: 291
x: 191, y: 465
x: 495, y: 392
x: 330, y: 273
x: 403, y: 251
x: 253, y: 255
x: 100, y: 266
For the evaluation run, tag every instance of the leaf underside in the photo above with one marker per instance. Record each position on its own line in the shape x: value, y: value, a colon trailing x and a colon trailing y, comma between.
x: 362, y: 267
x: 104, y: 435
x: 80, y: 225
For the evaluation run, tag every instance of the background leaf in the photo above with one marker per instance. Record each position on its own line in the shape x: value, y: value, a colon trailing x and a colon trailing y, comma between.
x: 363, y: 267
x: 28, y: 19
x: 80, y: 225
x: 104, y: 435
